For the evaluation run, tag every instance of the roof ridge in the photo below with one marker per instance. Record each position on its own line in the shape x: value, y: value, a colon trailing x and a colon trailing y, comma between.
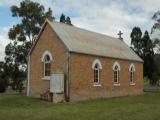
x: 84, y: 29
x: 89, y: 42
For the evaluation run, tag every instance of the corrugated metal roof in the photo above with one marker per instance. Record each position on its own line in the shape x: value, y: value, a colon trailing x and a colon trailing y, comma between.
x: 87, y: 42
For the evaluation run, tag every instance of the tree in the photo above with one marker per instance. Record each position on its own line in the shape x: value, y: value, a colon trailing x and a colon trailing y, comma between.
x: 148, y: 57
x: 63, y: 18
x: 68, y: 21
x: 49, y: 15
x: 136, y: 41
x: 156, y: 74
x: 147, y: 45
x: 156, y: 43
x: 32, y: 15
x: 155, y: 29
x: 156, y: 25
x: 143, y: 46
x: 3, y: 78
x: 157, y: 68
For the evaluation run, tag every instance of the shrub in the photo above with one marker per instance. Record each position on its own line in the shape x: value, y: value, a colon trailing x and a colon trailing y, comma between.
x: 3, y: 86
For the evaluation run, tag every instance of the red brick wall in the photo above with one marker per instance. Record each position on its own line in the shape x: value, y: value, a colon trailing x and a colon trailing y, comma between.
x: 81, y: 83
x: 81, y: 72
x: 47, y: 41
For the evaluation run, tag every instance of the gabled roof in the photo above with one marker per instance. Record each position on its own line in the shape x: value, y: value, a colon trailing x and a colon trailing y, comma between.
x: 87, y: 42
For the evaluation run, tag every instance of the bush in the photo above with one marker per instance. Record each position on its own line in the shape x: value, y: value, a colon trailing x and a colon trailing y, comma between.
x: 3, y: 86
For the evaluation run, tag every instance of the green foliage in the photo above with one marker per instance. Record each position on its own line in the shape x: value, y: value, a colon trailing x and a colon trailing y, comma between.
x: 156, y: 29
x: 49, y: 15
x: 136, y: 41
x: 147, y: 45
x: 18, y: 76
x: 68, y: 21
x: 157, y: 68
x: 143, y: 46
x: 148, y: 57
x: 2, y: 86
x: 156, y: 43
x: 32, y: 15
x: 65, y: 20
x: 156, y: 25
x: 3, y: 78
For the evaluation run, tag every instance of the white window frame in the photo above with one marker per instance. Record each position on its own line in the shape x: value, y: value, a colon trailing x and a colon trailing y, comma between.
x: 97, y: 61
x: 132, y: 74
x: 117, y: 83
x: 44, y: 66
x: 44, y: 62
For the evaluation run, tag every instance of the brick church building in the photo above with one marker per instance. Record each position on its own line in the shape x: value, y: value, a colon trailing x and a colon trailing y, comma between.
x: 93, y: 65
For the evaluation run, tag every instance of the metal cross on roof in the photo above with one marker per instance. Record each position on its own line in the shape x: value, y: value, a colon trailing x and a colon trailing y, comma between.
x: 120, y: 35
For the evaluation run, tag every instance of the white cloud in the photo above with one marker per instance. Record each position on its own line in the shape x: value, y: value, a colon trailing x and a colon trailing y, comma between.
x: 9, y: 2
x: 3, y: 41
x: 106, y: 17
x: 103, y: 16
x: 148, y: 6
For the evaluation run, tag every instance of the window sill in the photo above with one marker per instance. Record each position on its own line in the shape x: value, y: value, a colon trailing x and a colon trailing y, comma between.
x: 132, y: 83
x: 46, y: 78
x: 96, y: 85
x: 116, y: 84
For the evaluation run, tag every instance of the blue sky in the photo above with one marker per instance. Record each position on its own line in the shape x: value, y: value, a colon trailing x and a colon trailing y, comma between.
x: 102, y: 16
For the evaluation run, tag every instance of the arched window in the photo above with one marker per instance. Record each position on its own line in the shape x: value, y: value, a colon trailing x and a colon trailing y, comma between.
x: 96, y: 74
x: 132, y: 72
x: 46, y: 59
x: 116, y: 70
x: 96, y: 66
x: 47, y: 65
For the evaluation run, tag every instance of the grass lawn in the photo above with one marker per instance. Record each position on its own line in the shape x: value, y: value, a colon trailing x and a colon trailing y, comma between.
x: 146, y: 107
